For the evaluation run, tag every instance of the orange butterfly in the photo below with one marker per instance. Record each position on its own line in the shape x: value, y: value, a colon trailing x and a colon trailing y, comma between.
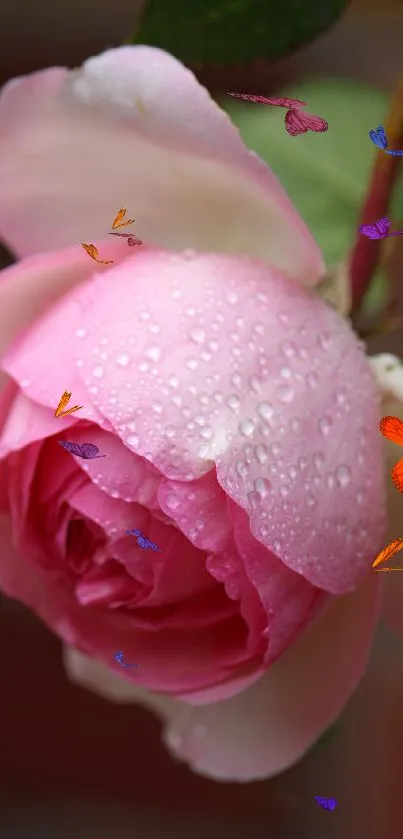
x: 121, y: 214
x: 93, y: 253
x: 394, y: 546
x: 392, y: 428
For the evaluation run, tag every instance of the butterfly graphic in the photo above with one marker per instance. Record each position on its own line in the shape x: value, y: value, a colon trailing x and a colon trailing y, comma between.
x: 283, y: 101
x: 394, y: 546
x: 392, y: 429
x: 131, y: 240
x: 379, y: 138
x: 60, y: 412
x: 326, y: 803
x: 379, y: 229
x: 117, y: 222
x: 142, y: 541
x: 296, y: 121
x: 119, y: 658
x: 93, y: 253
x: 88, y: 451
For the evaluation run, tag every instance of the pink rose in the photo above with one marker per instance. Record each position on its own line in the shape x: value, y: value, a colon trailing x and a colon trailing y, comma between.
x: 237, y: 412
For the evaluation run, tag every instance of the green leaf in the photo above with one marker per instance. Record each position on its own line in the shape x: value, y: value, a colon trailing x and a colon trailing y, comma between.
x: 233, y: 31
x: 325, y: 175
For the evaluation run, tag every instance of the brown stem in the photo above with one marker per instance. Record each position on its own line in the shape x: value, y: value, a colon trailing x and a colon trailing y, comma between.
x: 366, y: 252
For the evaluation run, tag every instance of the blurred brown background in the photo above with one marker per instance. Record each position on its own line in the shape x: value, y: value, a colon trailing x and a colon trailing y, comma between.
x: 73, y: 765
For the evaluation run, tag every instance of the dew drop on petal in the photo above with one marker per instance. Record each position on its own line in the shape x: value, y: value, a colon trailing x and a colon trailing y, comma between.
x: 246, y: 427
x: 285, y: 393
x: 324, y: 425
x: 98, y: 372
x: 122, y: 360
x: 343, y: 476
x: 261, y: 453
x: 265, y: 410
x: 262, y: 486
x: 81, y: 333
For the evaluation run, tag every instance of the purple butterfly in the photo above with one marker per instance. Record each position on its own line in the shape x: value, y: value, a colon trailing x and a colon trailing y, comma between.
x: 326, y: 803
x: 87, y: 450
x: 142, y: 542
x: 379, y: 138
x: 378, y: 230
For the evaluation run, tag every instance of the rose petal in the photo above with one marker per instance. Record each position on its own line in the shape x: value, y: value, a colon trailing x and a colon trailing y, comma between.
x: 268, y: 727
x: 134, y: 128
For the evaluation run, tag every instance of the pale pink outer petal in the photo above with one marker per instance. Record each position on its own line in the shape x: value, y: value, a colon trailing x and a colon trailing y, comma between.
x: 133, y: 128
x: 33, y: 285
x: 269, y: 726
x: 288, y: 425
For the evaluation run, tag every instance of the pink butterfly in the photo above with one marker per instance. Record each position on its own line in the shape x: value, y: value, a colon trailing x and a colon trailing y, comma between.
x: 283, y: 101
x: 298, y: 122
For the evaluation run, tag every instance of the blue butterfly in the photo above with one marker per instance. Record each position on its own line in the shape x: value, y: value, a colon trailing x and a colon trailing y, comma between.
x: 326, y: 803
x: 142, y: 541
x: 88, y: 451
x: 379, y: 138
x: 119, y: 658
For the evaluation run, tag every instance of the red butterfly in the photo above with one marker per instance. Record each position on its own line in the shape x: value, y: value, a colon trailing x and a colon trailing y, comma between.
x: 392, y: 428
x: 298, y: 122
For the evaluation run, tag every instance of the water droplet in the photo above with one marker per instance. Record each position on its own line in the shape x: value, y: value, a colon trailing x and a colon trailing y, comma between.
x: 324, y: 425
x: 283, y: 492
x: 203, y: 451
x: 295, y: 424
x: 242, y: 469
x: 330, y: 481
x: 254, y: 499
x: 285, y: 393
x: 288, y: 349
x: 198, y: 335
x: 246, y: 427
x: 206, y: 433
x: 283, y: 317
x: 343, y: 475
x: 233, y: 402
x: 213, y: 346
x: 170, y: 431
x: 154, y: 353
x: 122, y: 360
x: 231, y: 297
x: 172, y: 502
x: 143, y: 367
x: 302, y: 463
x: 265, y: 410
x: 254, y: 384
x: 262, y: 486
x: 275, y: 449
x: 261, y: 453
x: 98, y: 372
x: 81, y: 333
x: 341, y: 395
x: 154, y: 328
x: 277, y: 546
x: 132, y: 440
x: 318, y: 460
x: 157, y: 407
x: 292, y: 472
x: 312, y: 380
x: 310, y: 498
x: 191, y: 363
x: 325, y: 340
x: 285, y: 372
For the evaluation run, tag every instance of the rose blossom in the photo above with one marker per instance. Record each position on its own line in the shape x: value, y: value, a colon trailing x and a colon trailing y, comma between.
x: 237, y: 412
